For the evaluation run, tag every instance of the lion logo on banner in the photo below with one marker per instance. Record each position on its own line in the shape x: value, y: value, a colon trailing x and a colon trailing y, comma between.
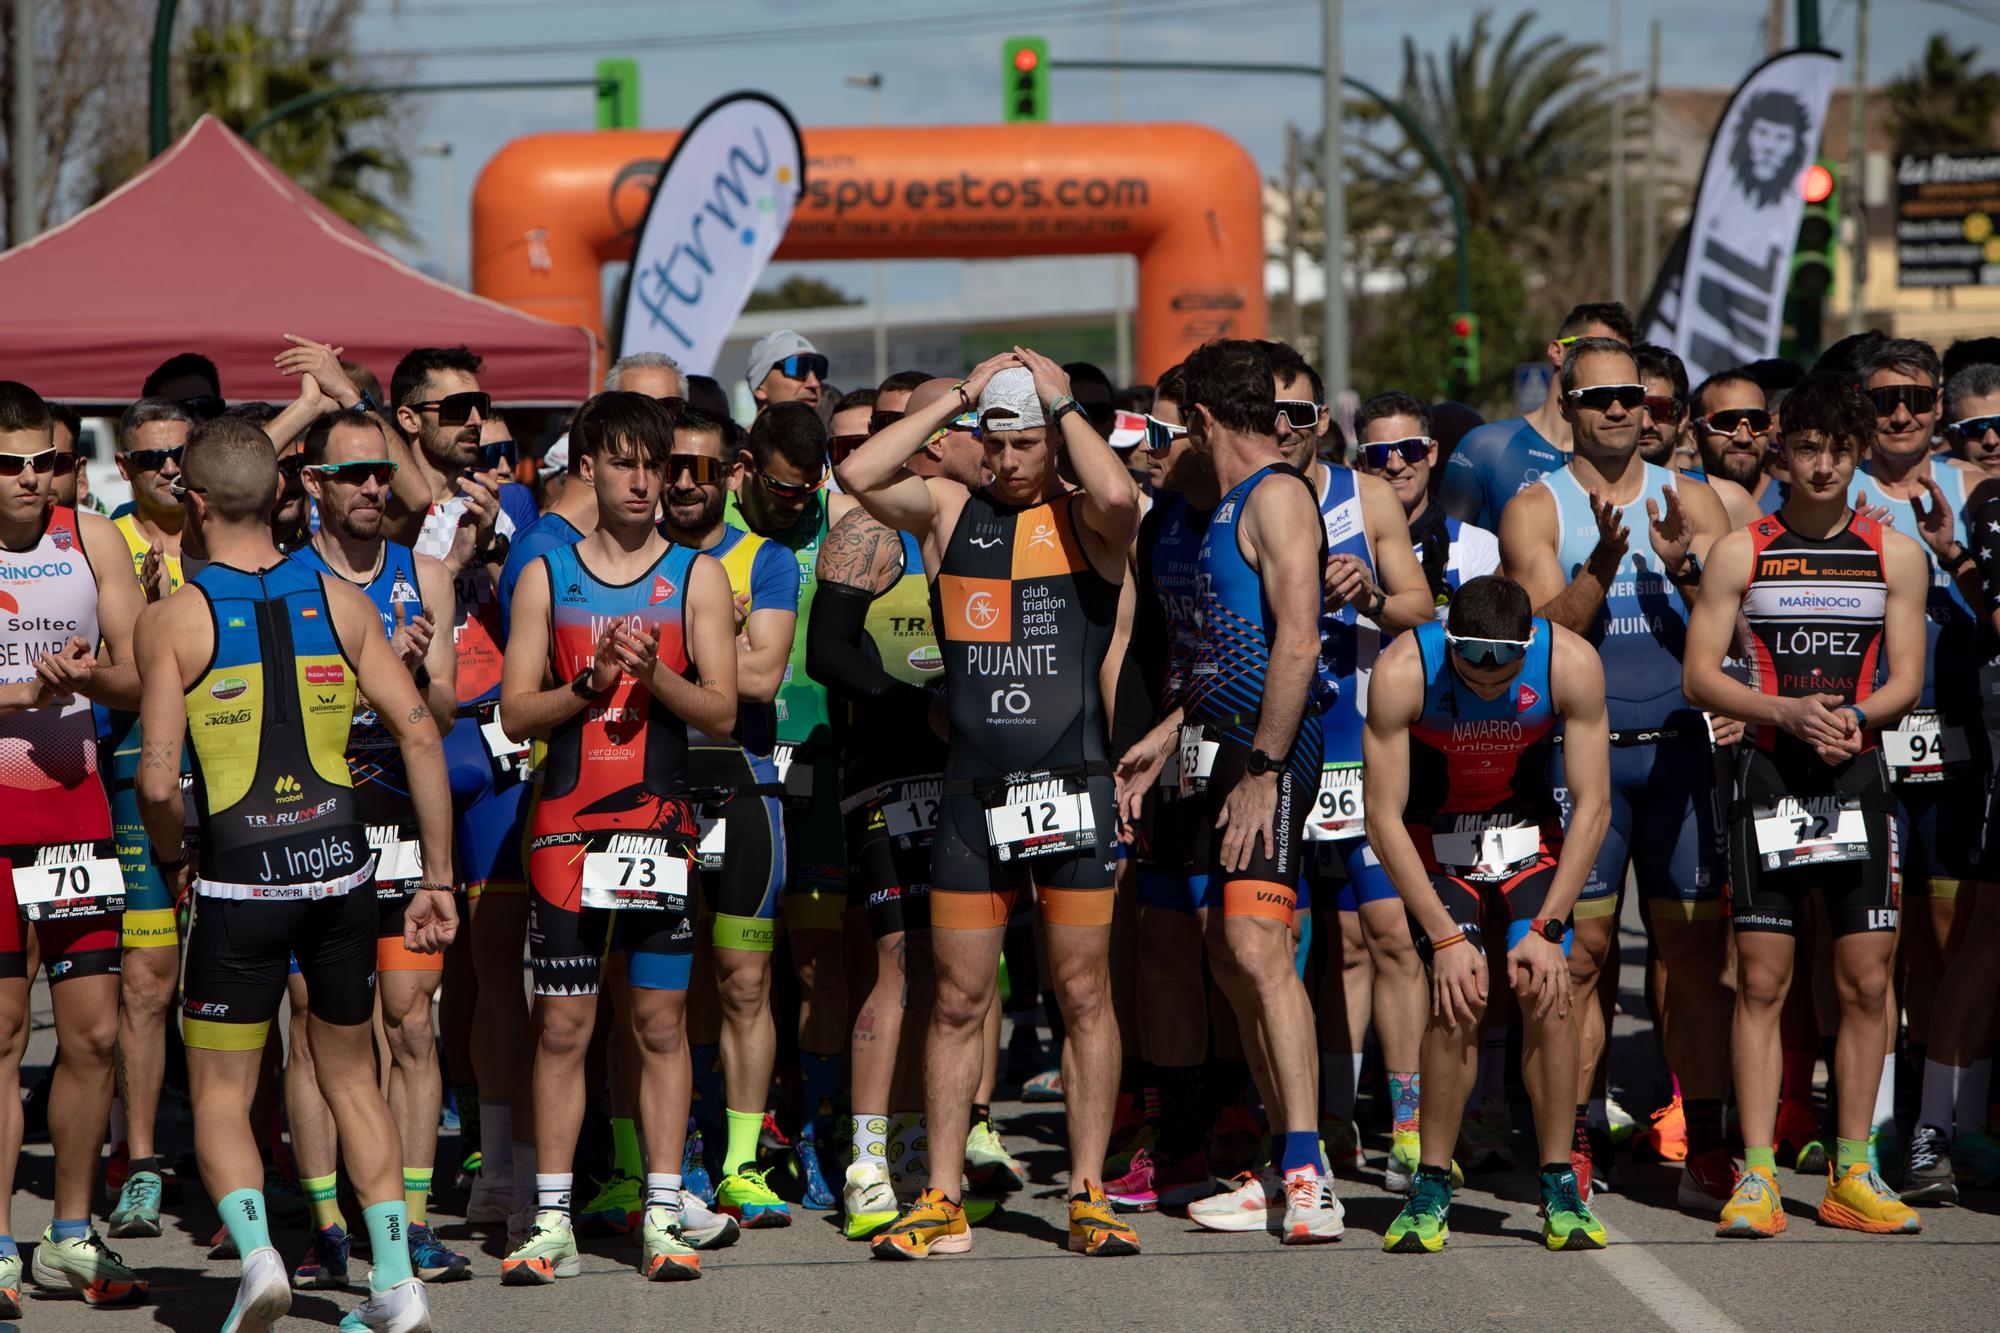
x: 1769, y: 146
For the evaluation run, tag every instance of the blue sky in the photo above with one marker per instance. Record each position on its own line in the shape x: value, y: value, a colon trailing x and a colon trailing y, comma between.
x: 941, y: 65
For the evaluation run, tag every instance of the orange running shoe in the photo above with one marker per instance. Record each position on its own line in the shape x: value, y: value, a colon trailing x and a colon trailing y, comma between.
x: 1094, y: 1229
x: 1667, y: 1137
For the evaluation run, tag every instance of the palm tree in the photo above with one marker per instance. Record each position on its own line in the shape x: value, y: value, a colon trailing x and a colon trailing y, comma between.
x: 1941, y: 103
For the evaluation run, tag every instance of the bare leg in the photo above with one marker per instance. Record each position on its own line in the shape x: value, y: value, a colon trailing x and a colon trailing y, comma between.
x: 749, y: 1036
x: 80, y: 1098
x: 1861, y: 976
x: 13, y: 1041
x: 1589, y: 953
x: 503, y: 1039
x: 968, y: 963
x: 416, y: 1088
x: 563, y: 1025
x: 1266, y: 991
x: 146, y: 988
x: 1401, y: 1000
x: 1696, y: 1006
x: 1763, y: 976
x: 665, y: 1078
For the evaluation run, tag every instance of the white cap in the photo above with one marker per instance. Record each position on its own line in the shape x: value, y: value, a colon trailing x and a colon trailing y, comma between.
x: 556, y: 459
x: 772, y: 348
x: 1011, y: 394
x: 1129, y: 430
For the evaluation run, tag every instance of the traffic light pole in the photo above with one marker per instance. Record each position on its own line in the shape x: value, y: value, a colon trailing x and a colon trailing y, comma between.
x: 1333, y: 350
x: 307, y: 101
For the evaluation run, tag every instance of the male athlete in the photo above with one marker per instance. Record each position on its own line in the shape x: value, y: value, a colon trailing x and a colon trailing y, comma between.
x: 620, y: 645
x: 1460, y: 719
x: 1834, y: 603
x: 1024, y: 575
x: 257, y: 661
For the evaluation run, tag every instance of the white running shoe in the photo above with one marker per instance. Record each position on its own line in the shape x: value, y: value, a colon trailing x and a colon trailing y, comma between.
x: 702, y: 1228
x: 1246, y: 1205
x: 491, y: 1199
x: 263, y: 1295
x: 1313, y: 1215
x: 403, y: 1308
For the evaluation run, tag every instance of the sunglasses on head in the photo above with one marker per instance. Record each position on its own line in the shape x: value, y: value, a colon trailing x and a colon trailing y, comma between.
x: 1488, y: 652
x: 1727, y: 421
x: 965, y: 421
x: 359, y: 470
x: 704, y: 471
x: 455, y: 409
x: 801, y: 364
x: 206, y: 406
x: 152, y: 460
x: 48, y: 460
x: 1974, y: 428
x: 1414, y: 450
x: 1600, y: 397
x: 1160, y: 436
x: 1919, y: 398
x: 1666, y: 410
x: 1299, y: 413
x: 786, y: 490
x: 495, y: 453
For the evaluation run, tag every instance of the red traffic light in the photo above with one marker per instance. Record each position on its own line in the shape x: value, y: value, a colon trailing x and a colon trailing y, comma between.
x: 1461, y: 327
x: 1026, y: 59
x: 1817, y: 184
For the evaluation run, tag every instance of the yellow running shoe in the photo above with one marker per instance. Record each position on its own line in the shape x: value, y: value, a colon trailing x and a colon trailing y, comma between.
x: 1860, y: 1200
x: 1754, y: 1210
x: 1094, y: 1229
x: 931, y: 1225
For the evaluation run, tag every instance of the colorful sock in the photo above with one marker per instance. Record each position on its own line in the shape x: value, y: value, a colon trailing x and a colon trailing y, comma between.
x: 1763, y: 1159
x: 663, y: 1191
x: 1971, y: 1107
x: 524, y: 1169
x: 1149, y: 1096
x: 822, y: 1090
x: 1339, y: 1080
x: 742, y: 1148
x: 1301, y: 1148
x: 625, y: 1147
x: 1704, y: 1123
x: 1675, y: 1079
x: 1849, y: 1152
x: 8, y: 1249
x: 247, y: 1219
x: 1940, y: 1099
x: 416, y: 1193
x: 1405, y: 1093
x: 496, y: 1132
x: 708, y: 1099
x: 1884, y: 1118
x: 1798, y: 1075
x: 388, y: 1244
x: 323, y: 1192
x: 1180, y: 1110
x: 910, y: 1145
x: 62, y: 1229
x: 552, y: 1191
x: 870, y: 1136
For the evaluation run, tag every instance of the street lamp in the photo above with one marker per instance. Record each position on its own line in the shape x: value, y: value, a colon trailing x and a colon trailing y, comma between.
x: 444, y: 247
x: 873, y: 83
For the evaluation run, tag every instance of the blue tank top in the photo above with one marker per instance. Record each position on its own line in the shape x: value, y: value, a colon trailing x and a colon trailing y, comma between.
x: 1472, y: 755
x: 1951, y: 628
x: 1641, y: 631
x: 1237, y: 624
x: 1348, y: 644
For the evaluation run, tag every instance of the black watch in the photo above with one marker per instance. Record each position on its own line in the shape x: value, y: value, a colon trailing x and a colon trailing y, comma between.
x: 579, y: 685
x: 495, y: 551
x: 1690, y: 569
x: 1551, y: 929
x: 1259, y: 764
x: 1374, y: 608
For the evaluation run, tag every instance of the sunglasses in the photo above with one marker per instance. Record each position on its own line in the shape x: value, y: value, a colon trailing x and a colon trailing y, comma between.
x: 497, y: 453
x: 1569, y: 340
x: 360, y: 470
x: 880, y: 421
x: 1665, y: 410
x: 801, y: 364
x: 704, y: 470
x: 456, y: 409
x: 48, y: 460
x: 838, y: 447
x: 179, y: 487
x: 1600, y: 397
x: 1919, y: 398
x: 152, y: 460
x: 785, y: 490
x: 1974, y: 428
x: 965, y: 421
x: 1414, y: 450
x: 206, y: 406
x: 1299, y: 413
x: 1160, y: 436
x: 1488, y: 652
x: 1727, y: 422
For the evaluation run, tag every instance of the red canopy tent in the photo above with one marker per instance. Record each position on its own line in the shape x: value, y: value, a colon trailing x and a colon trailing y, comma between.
x: 212, y: 249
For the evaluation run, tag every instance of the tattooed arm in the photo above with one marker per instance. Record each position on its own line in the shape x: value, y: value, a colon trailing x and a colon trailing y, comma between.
x: 859, y: 561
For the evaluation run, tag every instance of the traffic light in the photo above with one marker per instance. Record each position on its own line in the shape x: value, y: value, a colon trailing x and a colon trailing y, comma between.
x: 617, y: 93
x: 1819, y: 231
x: 1462, y: 358
x: 1024, y: 75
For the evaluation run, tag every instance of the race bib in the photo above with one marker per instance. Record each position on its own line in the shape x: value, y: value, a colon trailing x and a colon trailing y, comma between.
x: 796, y: 777
x: 1337, y: 809
x: 1196, y: 760
x: 510, y: 757
x: 70, y: 880
x: 636, y: 874
x: 1040, y: 819
x: 1814, y: 830
x: 1922, y: 747
x: 714, y: 839
x: 1477, y: 849
x: 397, y: 859
x: 910, y: 810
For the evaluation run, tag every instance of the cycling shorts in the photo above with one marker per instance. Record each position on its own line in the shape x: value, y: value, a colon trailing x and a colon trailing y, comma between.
x: 742, y: 882
x: 239, y: 952
x: 78, y: 946
x: 974, y: 889
x: 1666, y: 825
x: 1505, y: 908
x: 568, y: 947
x: 1859, y: 895
x: 815, y: 848
x: 490, y: 802
x: 152, y: 917
x: 1269, y: 885
x: 890, y: 829
x: 1351, y: 869
x: 1941, y: 825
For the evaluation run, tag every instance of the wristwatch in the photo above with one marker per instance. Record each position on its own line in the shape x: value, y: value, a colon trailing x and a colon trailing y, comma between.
x: 1549, y: 928
x: 579, y: 685
x: 1259, y: 764
x: 1062, y: 408
x: 495, y: 551
x: 1690, y: 569
x: 1375, y: 604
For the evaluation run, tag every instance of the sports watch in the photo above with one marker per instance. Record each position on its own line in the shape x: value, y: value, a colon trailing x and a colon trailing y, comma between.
x: 1259, y: 764
x: 1549, y: 928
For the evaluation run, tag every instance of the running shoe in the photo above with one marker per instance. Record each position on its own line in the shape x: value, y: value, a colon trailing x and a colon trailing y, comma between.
x: 816, y: 1194
x: 1184, y: 1182
x: 1486, y: 1136
x: 1405, y: 1154
x: 468, y: 1169
x: 1127, y: 1145
x: 432, y: 1261
x: 548, y: 1252
x: 1313, y: 1216
x: 615, y: 1207
x: 137, y: 1213
x: 931, y: 1225
x: 1754, y: 1211
x: 704, y: 1229
x: 1245, y: 1206
x: 1422, y: 1227
x: 84, y: 1265
x: 1622, y: 1126
x: 519, y: 1223
x: 117, y: 1167
x: 1340, y: 1140
x: 771, y: 1139
x: 1044, y: 1087
x: 1567, y: 1222
x: 1796, y: 1129
x: 1094, y: 1228
x: 1860, y: 1200
x: 989, y: 1167
x: 403, y: 1308
x: 1579, y: 1161
x: 1813, y: 1159
x: 325, y: 1266
x: 1667, y: 1136
x: 1133, y: 1191
x: 491, y: 1200
x: 695, y: 1176
x: 10, y: 1286
x: 1976, y: 1155
x: 262, y: 1295
x: 868, y: 1200
x: 222, y: 1245
x: 1707, y: 1181
x: 747, y: 1197
x: 665, y: 1256
x: 1927, y: 1175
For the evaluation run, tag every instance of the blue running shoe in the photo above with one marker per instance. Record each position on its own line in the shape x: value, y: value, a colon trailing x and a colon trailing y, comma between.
x: 695, y: 1178
x: 432, y: 1261
x: 805, y: 1166
x: 325, y: 1265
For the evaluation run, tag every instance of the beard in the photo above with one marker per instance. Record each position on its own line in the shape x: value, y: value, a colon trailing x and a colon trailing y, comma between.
x: 1656, y: 449
x: 695, y: 511
x: 361, y: 524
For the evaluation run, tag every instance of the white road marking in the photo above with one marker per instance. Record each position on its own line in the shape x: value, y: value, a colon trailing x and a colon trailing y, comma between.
x: 1677, y: 1305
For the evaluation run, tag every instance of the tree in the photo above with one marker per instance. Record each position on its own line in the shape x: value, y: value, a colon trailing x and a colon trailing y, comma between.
x: 799, y: 292
x: 1942, y: 103
x: 86, y: 53
x: 1401, y: 343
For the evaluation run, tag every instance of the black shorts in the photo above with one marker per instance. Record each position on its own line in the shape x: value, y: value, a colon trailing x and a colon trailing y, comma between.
x: 744, y: 886
x: 1497, y: 912
x: 1269, y: 885
x: 568, y: 948
x: 239, y: 953
x: 973, y: 888
x: 890, y: 829
x: 1858, y: 895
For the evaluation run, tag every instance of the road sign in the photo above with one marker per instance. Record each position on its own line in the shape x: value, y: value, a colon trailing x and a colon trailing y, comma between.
x: 1947, y: 207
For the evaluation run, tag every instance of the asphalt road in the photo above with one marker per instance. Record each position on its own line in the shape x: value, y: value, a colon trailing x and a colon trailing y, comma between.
x: 1664, y: 1268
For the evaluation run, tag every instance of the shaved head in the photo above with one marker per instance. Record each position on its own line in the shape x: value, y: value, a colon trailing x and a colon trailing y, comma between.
x: 927, y: 393
x: 232, y: 462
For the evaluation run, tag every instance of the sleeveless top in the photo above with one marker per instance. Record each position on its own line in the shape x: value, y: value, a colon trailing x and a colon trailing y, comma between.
x: 1169, y: 554
x: 1951, y: 627
x: 801, y: 704
x: 1470, y: 755
x: 479, y: 633
x: 1348, y: 643
x: 763, y: 571
x: 888, y: 736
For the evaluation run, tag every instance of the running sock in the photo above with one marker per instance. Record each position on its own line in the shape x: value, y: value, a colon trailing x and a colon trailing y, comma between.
x: 1971, y: 1109
x: 911, y: 1145
x: 870, y: 1136
x: 742, y: 1146
x: 663, y: 1190
x: 1763, y: 1159
x: 138, y: 1164
x: 1849, y: 1152
x: 1300, y: 1148
x: 1704, y: 1124
x: 625, y: 1153
x: 1405, y: 1092
x: 1940, y: 1099
x: 708, y: 1098
x: 323, y: 1193
x: 822, y: 1090
x: 1798, y: 1075
x: 552, y: 1191
x: 1180, y: 1111
x: 1884, y: 1117
x: 8, y: 1249
x: 982, y: 1114
x: 247, y: 1220
x: 1223, y: 1087
x: 524, y: 1169
x: 62, y: 1229
x: 416, y: 1193
x: 1339, y: 1083
x: 1149, y: 1094
x: 496, y: 1132
x: 389, y: 1243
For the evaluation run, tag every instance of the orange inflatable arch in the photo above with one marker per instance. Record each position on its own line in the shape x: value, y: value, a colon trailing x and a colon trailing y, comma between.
x: 551, y: 209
